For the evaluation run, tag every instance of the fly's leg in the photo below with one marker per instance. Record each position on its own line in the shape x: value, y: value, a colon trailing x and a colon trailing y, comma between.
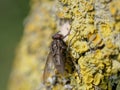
x: 68, y: 48
x: 67, y: 34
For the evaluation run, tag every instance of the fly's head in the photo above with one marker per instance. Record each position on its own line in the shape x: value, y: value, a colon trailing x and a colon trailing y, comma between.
x: 57, y: 36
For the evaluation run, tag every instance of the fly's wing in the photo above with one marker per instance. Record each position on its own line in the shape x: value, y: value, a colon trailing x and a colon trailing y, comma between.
x: 59, y: 63
x: 59, y: 57
x: 49, y: 68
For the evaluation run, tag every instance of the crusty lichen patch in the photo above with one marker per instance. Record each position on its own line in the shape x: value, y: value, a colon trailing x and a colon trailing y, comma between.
x: 92, y: 39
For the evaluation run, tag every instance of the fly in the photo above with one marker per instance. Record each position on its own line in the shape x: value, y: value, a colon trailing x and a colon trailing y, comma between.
x: 56, y: 57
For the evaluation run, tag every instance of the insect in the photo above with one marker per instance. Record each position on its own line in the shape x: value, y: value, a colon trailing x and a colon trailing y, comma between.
x: 56, y: 57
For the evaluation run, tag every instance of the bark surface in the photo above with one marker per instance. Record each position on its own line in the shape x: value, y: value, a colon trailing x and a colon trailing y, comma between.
x: 93, y: 59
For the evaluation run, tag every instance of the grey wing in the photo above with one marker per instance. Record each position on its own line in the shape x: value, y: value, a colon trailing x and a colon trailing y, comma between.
x: 49, y: 68
x: 59, y: 63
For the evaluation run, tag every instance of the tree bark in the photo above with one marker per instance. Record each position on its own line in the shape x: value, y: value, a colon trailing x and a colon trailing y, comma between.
x: 93, y: 58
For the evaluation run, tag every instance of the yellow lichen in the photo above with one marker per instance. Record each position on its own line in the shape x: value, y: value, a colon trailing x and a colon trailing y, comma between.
x: 97, y: 39
x: 105, y: 30
x: 97, y: 78
x: 98, y: 54
x: 103, y: 85
x: 114, y: 7
x: 89, y: 87
x: 80, y: 46
x: 118, y: 58
x: 58, y: 87
x: 115, y: 66
x: 101, y: 66
x: 88, y: 78
x: 109, y: 44
x: 75, y: 54
x: 90, y: 29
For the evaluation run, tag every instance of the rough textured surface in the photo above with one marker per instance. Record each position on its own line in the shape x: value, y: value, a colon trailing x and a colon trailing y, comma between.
x: 94, y: 43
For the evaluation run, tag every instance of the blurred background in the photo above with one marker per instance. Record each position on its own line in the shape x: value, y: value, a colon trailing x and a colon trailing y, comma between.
x: 12, y: 15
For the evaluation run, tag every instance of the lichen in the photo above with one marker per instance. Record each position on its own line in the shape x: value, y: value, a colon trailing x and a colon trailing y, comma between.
x: 93, y: 45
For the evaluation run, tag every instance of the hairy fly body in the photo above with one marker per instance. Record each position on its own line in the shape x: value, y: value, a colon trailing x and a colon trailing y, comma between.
x: 56, y: 57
